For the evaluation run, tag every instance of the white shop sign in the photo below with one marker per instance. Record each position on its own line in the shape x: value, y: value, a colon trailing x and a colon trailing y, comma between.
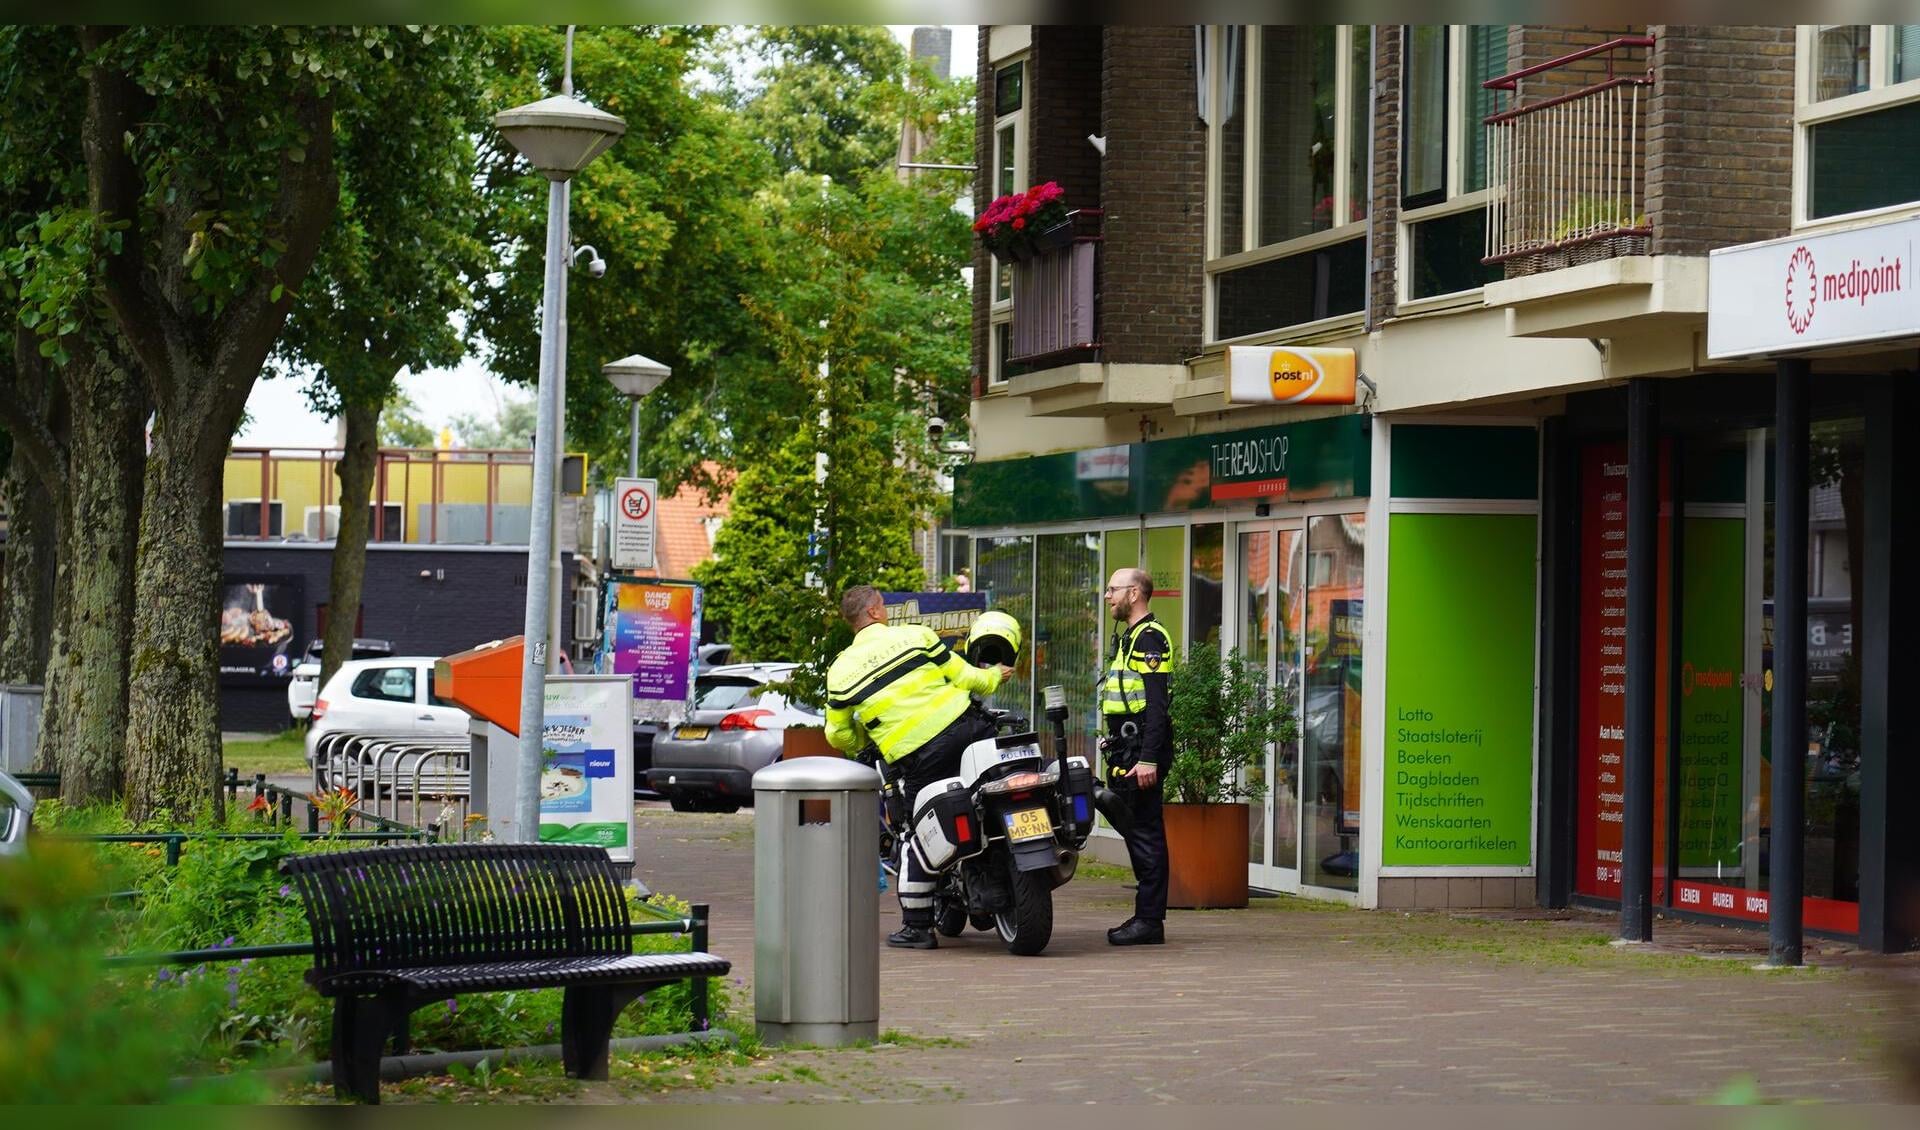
x: 1805, y: 292
x: 635, y: 515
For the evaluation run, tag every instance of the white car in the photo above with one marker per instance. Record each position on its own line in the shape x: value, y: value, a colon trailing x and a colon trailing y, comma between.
x: 304, y: 686
x: 391, y: 695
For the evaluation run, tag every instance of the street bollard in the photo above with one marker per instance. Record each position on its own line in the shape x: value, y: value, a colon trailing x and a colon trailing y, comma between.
x: 816, y: 921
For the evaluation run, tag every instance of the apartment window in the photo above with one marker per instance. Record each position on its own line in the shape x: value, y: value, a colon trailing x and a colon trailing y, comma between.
x: 1009, y: 152
x: 1286, y: 190
x: 1857, y: 119
x: 1443, y: 157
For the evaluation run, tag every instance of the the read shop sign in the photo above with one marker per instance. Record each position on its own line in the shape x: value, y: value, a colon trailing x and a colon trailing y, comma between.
x: 1805, y: 292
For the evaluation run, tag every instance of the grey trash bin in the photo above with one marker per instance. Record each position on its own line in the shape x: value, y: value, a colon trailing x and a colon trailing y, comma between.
x: 816, y: 902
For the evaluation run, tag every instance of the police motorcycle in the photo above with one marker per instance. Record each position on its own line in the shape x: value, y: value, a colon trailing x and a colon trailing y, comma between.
x: 1010, y: 828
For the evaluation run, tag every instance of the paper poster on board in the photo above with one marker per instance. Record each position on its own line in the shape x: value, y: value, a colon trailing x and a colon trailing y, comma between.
x: 586, y: 772
x: 652, y: 632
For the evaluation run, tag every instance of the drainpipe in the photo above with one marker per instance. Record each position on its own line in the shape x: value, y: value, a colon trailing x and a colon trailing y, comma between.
x: 1373, y: 107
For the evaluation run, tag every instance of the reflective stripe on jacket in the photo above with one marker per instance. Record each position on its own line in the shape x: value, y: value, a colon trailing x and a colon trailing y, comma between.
x: 1143, y: 649
x: 899, y: 686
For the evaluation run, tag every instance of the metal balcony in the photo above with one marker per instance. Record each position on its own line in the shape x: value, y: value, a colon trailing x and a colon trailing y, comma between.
x: 1566, y: 172
x: 1056, y: 297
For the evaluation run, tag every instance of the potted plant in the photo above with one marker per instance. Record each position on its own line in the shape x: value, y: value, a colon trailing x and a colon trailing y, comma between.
x: 1224, y: 717
x: 1021, y: 224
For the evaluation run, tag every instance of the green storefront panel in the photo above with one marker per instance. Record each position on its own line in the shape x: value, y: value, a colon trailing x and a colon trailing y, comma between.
x: 1477, y: 462
x: 1325, y: 458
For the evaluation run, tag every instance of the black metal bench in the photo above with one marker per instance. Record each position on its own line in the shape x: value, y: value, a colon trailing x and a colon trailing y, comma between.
x: 399, y: 928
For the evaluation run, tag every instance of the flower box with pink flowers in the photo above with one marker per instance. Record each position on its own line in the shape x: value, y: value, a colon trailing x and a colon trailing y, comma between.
x: 1022, y: 224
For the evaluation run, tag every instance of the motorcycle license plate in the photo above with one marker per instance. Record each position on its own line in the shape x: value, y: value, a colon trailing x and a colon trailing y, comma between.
x: 1029, y: 824
x: 690, y: 733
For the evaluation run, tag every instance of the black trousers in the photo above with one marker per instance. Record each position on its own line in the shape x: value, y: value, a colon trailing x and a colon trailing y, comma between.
x: 934, y: 761
x: 1147, y: 848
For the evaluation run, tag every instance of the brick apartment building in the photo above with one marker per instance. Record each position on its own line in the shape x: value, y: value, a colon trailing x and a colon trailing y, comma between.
x: 1634, y: 316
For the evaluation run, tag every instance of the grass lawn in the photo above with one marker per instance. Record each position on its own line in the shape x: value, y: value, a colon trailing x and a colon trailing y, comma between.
x: 280, y: 755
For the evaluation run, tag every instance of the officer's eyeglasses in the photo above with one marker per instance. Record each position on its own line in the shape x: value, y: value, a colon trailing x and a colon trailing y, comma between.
x: 1111, y: 589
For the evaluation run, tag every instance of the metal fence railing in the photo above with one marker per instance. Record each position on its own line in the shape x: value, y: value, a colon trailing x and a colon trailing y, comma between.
x: 1566, y: 170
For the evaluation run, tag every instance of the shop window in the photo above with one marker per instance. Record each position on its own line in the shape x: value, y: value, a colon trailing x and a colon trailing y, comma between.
x: 1330, y: 722
x: 1004, y: 572
x: 1443, y: 156
x: 1206, y: 584
x: 1858, y: 116
x: 1066, y: 627
x: 1287, y: 113
x: 1271, y: 612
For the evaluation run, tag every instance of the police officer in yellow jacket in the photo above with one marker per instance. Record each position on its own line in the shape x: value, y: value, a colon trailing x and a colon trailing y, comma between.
x: 907, y: 692
x: 1139, y: 746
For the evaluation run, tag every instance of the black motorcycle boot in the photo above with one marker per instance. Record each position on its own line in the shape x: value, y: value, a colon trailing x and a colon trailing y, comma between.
x: 914, y: 938
x: 1139, y: 932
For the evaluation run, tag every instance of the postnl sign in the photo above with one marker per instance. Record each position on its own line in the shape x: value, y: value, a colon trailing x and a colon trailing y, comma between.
x: 1264, y: 374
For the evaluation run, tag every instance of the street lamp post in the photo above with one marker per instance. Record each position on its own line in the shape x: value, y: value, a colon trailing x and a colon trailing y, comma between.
x: 559, y: 136
x: 635, y: 376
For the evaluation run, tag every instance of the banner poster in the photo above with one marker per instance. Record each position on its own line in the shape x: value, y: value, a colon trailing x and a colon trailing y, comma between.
x: 652, y: 629
x: 1460, y: 717
x: 949, y: 614
x: 586, y: 772
x: 1602, y: 742
x: 258, y: 617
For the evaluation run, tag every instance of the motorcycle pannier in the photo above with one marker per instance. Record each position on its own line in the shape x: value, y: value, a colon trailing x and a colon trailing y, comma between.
x: 944, y: 827
x: 1076, y: 797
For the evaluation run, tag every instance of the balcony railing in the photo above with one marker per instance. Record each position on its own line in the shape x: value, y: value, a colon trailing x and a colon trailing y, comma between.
x: 1566, y: 172
x: 420, y: 496
x: 1056, y: 296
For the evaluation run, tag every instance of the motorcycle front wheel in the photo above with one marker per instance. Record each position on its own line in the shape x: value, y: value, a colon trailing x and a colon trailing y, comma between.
x: 1028, y: 925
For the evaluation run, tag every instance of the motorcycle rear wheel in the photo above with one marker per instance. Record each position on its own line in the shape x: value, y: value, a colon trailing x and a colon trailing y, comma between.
x: 1028, y: 925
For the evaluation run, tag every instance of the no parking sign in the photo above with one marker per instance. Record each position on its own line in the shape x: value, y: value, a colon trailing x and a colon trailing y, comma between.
x: 634, y: 504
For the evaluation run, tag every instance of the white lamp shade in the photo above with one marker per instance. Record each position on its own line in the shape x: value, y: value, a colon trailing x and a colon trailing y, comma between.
x: 635, y: 376
x: 560, y: 135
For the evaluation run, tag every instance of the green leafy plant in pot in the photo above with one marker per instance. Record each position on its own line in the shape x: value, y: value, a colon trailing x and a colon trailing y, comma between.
x: 1225, y: 715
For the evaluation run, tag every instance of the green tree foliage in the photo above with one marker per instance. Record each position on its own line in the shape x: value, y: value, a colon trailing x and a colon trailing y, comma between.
x: 1224, y: 715
x: 401, y: 425
x: 824, y: 99
x: 511, y: 427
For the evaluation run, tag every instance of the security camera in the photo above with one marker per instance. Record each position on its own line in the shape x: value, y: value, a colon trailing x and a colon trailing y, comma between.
x: 597, y: 267
x: 936, y: 427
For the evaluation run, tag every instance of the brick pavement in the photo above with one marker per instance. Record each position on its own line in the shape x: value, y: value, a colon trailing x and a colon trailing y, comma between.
x: 1293, y: 1001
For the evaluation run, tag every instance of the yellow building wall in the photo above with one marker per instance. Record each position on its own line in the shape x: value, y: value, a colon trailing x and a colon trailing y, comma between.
x: 300, y: 482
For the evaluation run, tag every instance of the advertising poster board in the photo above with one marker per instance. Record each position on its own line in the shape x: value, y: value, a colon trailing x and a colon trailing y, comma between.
x: 586, y: 776
x: 1460, y: 676
x: 949, y: 614
x: 259, y: 616
x: 651, y: 634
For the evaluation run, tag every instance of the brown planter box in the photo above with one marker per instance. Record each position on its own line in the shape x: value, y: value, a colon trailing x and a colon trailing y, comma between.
x: 1206, y: 855
x: 806, y: 741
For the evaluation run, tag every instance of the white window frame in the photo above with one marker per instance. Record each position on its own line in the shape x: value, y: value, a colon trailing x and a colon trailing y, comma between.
x: 1457, y: 201
x: 1882, y: 93
x: 1017, y: 121
x: 1248, y: 82
x: 1001, y: 315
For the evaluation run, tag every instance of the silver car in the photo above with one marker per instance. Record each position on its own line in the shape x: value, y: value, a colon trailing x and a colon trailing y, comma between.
x: 16, y: 813
x: 706, y: 762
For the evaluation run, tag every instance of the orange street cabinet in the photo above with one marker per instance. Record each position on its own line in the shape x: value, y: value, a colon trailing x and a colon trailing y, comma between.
x: 484, y: 681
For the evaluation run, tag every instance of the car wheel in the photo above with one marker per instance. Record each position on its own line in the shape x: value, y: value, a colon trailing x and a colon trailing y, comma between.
x: 681, y: 802
x: 721, y: 806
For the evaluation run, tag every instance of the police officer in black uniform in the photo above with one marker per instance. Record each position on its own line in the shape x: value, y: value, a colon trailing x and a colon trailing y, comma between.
x: 1139, y: 746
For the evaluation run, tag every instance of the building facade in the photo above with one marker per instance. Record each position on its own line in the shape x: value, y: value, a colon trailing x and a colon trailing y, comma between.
x: 1530, y: 587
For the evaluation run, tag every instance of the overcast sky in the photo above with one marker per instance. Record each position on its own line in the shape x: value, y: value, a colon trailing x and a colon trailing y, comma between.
x: 278, y: 413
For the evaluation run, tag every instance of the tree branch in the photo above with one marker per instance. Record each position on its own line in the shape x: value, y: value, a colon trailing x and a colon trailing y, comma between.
x: 309, y: 193
x: 115, y: 105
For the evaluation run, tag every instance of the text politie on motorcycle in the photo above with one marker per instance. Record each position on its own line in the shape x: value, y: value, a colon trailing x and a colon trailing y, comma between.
x: 904, y: 689
x: 1139, y: 745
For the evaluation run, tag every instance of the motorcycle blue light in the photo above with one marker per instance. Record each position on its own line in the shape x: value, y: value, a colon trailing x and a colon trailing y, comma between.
x: 1080, y: 814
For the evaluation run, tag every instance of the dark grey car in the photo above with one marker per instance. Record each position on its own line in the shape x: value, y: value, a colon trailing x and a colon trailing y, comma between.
x: 706, y: 762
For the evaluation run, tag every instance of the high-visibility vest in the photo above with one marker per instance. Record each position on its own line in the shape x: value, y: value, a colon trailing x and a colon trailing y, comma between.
x: 898, y: 686
x: 1124, y: 690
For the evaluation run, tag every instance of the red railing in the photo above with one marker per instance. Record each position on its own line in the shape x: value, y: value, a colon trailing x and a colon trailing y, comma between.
x: 305, y: 476
x: 1566, y: 173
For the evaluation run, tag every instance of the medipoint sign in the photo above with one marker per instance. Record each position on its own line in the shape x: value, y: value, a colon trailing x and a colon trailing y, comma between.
x: 1803, y: 293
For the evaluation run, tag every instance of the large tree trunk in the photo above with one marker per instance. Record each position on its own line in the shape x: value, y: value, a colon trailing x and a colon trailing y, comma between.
x: 26, y: 620
x: 173, y: 708
x: 356, y: 470
x: 105, y: 477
